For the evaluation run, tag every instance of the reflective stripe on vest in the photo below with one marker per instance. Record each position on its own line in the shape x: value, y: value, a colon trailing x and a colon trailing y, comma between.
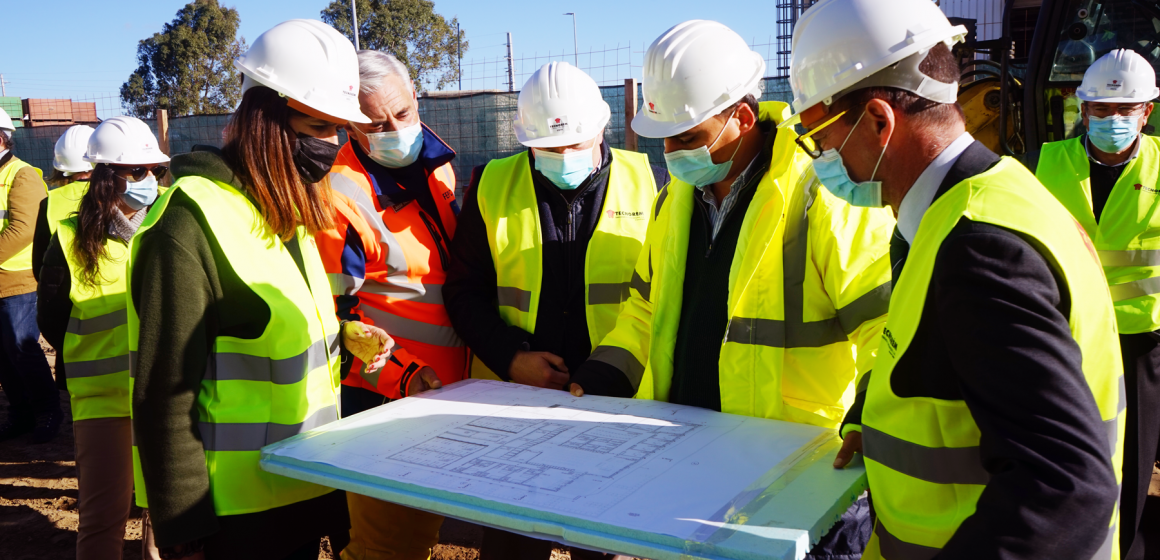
x: 922, y: 453
x: 507, y: 202
x: 63, y: 201
x: 96, y: 341
x: 22, y: 260
x: 1125, y: 235
x: 262, y: 390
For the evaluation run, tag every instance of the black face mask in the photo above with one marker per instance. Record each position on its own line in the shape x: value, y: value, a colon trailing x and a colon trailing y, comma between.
x: 314, y: 157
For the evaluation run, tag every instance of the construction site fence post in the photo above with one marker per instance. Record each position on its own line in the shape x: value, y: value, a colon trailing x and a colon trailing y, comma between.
x: 630, y: 104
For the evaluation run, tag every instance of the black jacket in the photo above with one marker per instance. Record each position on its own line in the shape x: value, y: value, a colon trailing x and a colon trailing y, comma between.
x: 994, y: 333
x: 567, y: 220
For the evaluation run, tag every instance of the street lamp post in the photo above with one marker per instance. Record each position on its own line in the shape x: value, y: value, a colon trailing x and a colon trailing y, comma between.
x: 354, y: 24
x: 575, y: 48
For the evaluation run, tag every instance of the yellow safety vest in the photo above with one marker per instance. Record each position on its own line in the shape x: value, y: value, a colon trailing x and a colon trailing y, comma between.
x: 96, y: 344
x: 263, y: 390
x: 23, y: 259
x: 1127, y: 233
x: 64, y: 201
x: 507, y: 202
x: 922, y: 453
x: 809, y: 282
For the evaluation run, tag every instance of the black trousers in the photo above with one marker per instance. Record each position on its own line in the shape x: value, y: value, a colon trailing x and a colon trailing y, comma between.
x: 292, y: 532
x: 502, y: 545
x: 1142, y: 381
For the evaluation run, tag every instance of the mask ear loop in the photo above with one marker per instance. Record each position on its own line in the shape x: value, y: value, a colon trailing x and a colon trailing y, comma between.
x: 880, y: 156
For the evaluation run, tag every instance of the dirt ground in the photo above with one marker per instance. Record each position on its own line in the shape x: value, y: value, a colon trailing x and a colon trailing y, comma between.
x: 38, y: 499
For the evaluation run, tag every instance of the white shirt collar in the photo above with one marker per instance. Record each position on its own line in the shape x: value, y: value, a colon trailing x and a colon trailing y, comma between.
x: 920, y: 196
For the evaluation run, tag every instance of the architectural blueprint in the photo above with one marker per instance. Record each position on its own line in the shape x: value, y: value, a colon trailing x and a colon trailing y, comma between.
x: 631, y: 463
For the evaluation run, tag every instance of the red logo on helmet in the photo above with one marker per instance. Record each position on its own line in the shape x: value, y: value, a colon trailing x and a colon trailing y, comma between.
x: 1115, y: 81
x: 557, y: 120
x: 652, y: 107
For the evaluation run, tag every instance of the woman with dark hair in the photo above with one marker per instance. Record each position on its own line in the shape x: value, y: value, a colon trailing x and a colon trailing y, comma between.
x: 81, y: 312
x: 232, y: 322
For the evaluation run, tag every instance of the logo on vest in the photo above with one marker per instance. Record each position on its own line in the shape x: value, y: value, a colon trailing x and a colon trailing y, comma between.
x: 624, y: 214
x: 892, y: 346
x: 558, y: 125
x: 1152, y: 190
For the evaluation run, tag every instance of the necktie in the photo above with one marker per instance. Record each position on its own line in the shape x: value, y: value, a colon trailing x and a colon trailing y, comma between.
x: 899, y: 248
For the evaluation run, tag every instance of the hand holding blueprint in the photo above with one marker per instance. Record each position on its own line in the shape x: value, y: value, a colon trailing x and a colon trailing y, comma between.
x: 623, y: 466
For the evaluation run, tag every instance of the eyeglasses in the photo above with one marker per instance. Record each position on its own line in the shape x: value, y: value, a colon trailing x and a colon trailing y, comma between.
x: 1121, y: 110
x: 811, y: 147
x: 139, y: 173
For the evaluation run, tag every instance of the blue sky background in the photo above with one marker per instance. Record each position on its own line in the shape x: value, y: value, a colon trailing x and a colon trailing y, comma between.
x: 86, y: 50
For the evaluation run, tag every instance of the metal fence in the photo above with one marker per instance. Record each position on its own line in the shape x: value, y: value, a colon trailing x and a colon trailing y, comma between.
x: 478, y: 125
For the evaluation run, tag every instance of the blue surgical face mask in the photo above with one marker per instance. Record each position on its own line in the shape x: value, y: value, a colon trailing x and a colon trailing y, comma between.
x: 398, y: 148
x: 1113, y: 134
x: 140, y: 194
x: 833, y: 175
x: 696, y: 167
x: 566, y: 171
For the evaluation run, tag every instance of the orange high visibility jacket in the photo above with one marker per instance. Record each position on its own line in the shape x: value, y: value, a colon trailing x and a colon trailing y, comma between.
x: 386, y: 260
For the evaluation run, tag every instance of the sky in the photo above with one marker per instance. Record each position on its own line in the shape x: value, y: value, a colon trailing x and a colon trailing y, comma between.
x: 86, y: 50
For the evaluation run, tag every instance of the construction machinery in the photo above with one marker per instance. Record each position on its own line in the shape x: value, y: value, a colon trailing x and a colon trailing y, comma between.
x: 1018, y: 90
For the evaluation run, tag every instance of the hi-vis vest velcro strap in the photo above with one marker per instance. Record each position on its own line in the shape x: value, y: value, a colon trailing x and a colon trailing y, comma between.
x: 1124, y: 234
x: 507, y: 202
x: 923, y: 454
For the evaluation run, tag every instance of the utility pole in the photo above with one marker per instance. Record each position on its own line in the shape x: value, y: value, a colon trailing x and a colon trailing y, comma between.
x: 354, y: 24
x: 3, y: 87
x: 459, y: 52
x: 575, y: 48
x: 511, y: 65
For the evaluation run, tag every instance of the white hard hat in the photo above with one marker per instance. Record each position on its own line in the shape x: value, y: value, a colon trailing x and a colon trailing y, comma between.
x: 559, y: 106
x: 6, y: 121
x: 843, y: 45
x: 1121, y: 76
x: 69, y: 152
x: 308, y: 62
x: 692, y: 72
x: 124, y: 141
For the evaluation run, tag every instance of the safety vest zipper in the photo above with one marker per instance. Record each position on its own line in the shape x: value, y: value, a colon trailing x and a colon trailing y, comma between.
x: 444, y: 257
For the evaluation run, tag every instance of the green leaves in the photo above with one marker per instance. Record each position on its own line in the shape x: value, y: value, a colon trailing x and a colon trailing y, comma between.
x: 410, y: 30
x: 188, y: 68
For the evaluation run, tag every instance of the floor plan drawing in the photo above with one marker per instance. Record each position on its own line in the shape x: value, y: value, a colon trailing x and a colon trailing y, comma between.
x: 603, y: 459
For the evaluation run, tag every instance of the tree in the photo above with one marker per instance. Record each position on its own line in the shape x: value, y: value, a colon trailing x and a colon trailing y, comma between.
x: 408, y: 29
x: 188, y: 68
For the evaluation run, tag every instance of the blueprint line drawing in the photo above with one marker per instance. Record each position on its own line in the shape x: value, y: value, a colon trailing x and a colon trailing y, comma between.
x: 614, y: 461
x: 512, y: 450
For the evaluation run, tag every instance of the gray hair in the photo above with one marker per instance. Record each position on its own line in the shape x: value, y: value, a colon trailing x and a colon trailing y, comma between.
x: 374, y: 66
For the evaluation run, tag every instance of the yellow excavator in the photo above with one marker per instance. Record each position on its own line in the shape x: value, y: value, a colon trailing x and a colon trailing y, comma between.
x: 1018, y: 91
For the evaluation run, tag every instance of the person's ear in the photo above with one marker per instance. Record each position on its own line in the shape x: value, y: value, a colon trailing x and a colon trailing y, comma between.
x: 882, y: 120
x: 746, y: 119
